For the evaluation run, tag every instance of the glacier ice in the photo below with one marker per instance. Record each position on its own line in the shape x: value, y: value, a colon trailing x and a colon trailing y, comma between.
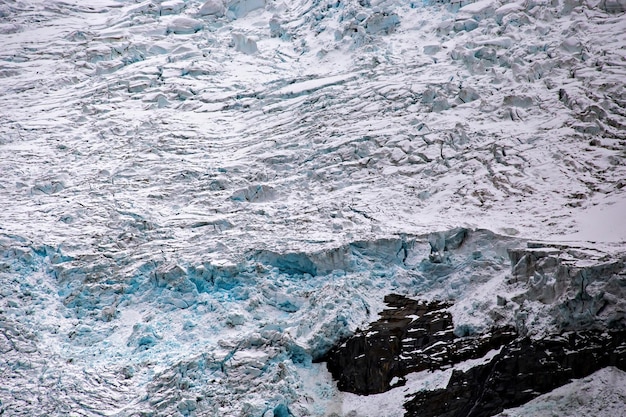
x: 212, y: 7
x: 200, y: 198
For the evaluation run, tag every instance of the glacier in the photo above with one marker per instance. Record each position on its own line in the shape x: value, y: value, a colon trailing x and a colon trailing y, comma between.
x: 199, y: 200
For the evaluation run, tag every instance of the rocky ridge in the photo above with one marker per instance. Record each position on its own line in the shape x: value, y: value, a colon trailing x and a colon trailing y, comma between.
x: 586, y: 332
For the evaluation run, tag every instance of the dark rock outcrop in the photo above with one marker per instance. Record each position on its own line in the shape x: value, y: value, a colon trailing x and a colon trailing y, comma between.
x: 523, y: 370
x: 573, y: 295
x: 413, y: 336
x: 410, y: 336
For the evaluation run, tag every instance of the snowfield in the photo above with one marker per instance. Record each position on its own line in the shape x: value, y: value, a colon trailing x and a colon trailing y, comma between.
x: 199, y: 199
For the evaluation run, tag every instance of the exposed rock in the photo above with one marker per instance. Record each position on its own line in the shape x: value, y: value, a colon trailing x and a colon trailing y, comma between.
x: 411, y: 336
x: 523, y: 370
x: 586, y: 333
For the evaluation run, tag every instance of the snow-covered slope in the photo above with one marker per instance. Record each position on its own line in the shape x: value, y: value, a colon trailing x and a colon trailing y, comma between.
x: 199, y: 198
x: 601, y: 394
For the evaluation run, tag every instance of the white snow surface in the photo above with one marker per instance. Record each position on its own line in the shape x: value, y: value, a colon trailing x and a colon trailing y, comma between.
x: 601, y: 394
x: 183, y: 185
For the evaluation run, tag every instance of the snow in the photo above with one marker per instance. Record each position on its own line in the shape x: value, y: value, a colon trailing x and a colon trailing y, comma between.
x: 603, y: 222
x: 209, y: 194
x: 602, y: 393
x: 307, y: 87
x: 479, y: 9
x: 390, y: 403
x: 212, y: 7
